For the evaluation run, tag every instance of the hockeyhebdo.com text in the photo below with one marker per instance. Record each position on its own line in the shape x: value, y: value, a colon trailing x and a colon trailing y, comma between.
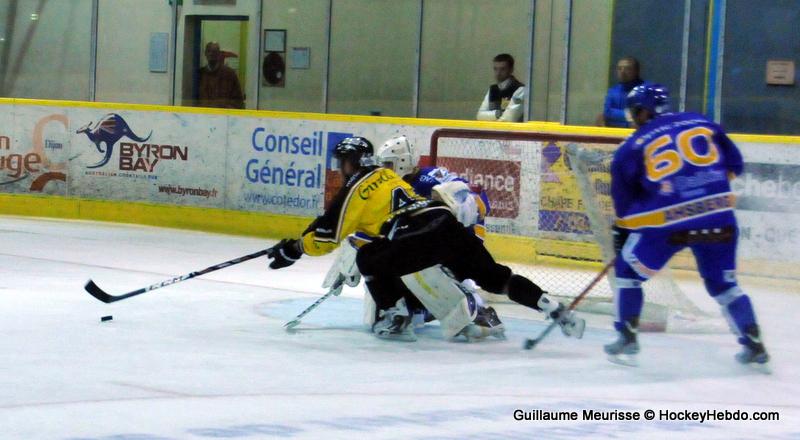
x: 662, y: 415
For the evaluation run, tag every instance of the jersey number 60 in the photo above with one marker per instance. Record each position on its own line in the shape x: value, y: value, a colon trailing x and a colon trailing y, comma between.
x: 663, y: 160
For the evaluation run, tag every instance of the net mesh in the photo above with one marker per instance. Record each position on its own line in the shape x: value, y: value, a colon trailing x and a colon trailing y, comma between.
x: 551, y: 195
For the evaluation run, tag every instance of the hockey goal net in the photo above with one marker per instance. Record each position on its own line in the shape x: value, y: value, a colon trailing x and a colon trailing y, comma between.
x: 550, y: 212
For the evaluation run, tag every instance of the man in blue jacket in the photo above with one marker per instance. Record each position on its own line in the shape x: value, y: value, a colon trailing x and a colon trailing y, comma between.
x: 614, y: 110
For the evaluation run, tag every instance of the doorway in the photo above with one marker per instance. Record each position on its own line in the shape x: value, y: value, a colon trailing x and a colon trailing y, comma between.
x: 231, y: 33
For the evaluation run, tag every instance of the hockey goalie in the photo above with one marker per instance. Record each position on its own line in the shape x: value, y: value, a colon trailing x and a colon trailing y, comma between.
x: 414, y: 244
x: 470, y: 205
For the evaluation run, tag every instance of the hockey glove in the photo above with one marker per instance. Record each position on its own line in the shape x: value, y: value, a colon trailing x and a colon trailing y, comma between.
x: 284, y: 254
x: 620, y: 237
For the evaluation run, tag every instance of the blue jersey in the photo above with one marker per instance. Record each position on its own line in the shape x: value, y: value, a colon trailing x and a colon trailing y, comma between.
x: 428, y: 177
x: 674, y: 172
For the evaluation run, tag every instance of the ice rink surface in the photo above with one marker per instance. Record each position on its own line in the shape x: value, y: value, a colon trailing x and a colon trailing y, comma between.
x: 208, y: 358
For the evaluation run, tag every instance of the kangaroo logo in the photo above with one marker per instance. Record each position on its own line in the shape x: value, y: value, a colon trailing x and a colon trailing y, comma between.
x: 110, y: 129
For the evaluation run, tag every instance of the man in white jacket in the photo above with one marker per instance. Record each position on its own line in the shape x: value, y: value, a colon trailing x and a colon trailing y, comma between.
x: 505, y: 100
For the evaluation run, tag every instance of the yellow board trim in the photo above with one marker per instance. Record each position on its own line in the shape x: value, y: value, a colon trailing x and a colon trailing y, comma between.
x: 287, y: 115
x: 533, y: 126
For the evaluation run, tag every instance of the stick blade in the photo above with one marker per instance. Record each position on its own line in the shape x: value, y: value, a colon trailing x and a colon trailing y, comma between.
x: 291, y: 324
x: 97, y: 292
x: 530, y: 343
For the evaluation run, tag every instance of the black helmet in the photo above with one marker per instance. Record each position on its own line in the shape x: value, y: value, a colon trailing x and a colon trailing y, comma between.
x: 356, y: 150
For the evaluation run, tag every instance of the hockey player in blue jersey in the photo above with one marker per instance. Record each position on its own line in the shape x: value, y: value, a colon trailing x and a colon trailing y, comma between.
x: 670, y: 188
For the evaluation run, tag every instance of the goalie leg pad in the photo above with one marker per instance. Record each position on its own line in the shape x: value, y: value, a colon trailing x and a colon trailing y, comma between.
x: 443, y: 296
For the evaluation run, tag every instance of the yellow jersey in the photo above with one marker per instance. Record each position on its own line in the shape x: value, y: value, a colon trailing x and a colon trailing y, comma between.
x: 368, y: 201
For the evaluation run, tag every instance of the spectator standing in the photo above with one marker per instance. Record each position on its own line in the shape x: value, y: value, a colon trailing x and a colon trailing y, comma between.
x: 219, y: 84
x: 505, y: 100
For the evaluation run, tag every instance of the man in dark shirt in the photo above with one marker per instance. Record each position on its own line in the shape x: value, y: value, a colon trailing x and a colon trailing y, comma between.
x: 614, y: 110
x: 505, y: 100
x: 219, y: 84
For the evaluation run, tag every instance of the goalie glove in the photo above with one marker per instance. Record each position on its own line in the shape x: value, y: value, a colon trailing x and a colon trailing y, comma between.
x: 457, y: 196
x: 285, y: 253
x: 344, y: 266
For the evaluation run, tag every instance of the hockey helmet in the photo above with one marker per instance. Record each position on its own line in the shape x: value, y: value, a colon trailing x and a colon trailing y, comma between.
x: 652, y: 97
x: 356, y: 150
x: 397, y: 155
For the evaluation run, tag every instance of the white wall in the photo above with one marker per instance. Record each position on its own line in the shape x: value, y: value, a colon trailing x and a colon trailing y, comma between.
x: 47, y: 57
x: 305, y: 22
x: 459, y: 40
x: 589, y: 60
x: 548, y: 59
x: 373, y: 59
x: 373, y: 56
x: 123, y: 73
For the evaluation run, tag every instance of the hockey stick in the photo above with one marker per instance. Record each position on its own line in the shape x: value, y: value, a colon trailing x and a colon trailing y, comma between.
x: 530, y: 343
x: 335, y: 290
x: 101, y: 295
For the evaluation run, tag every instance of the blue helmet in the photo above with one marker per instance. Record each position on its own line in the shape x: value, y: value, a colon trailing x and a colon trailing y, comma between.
x: 653, y: 97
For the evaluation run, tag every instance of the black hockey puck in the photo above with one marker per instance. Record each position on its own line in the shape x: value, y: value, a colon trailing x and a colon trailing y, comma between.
x: 106, y: 318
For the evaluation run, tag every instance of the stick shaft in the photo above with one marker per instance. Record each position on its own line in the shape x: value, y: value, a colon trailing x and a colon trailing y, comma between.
x: 591, y: 285
x: 530, y: 343
x: 101, y: 295
x: 335, y: 289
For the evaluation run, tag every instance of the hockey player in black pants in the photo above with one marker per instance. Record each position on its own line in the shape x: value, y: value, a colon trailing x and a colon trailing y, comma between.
x: 414, y: 239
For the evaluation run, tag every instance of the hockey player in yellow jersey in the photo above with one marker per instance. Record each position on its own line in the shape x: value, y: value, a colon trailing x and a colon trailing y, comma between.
x: 409, y: 235
x: 370, y: 199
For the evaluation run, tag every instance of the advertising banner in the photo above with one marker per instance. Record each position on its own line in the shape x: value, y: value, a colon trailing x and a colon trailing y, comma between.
x: 174, y: 158
x: 561, y: 210
x: 506, y: 170
x: 278, y: 165
x: 34, y: 150
x: 499, y: 178
x: 768, y: 202
x: 283, y: 165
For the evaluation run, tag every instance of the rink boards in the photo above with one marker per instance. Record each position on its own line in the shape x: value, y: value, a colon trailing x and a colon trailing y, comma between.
x: 266, y: 173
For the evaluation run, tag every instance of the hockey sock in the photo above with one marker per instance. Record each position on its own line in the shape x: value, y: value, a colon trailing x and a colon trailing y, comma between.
x: 523, y: 291
x: 629, y: 301
x: 385, y: 291
x: 738, y: 309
